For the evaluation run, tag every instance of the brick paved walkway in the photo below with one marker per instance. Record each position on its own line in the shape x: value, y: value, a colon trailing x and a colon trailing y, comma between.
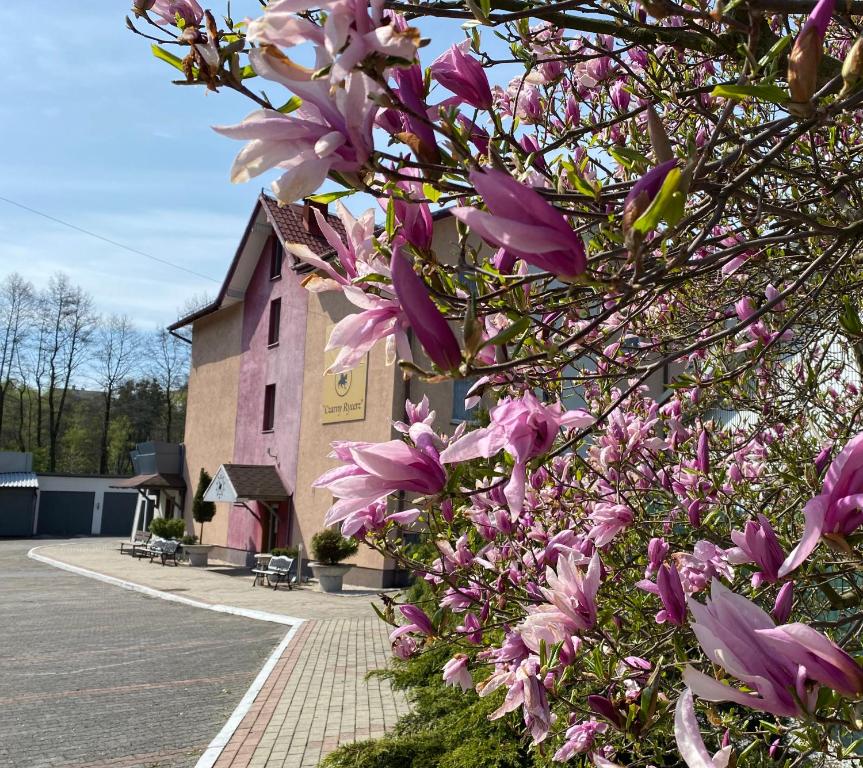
x: 316, y: 697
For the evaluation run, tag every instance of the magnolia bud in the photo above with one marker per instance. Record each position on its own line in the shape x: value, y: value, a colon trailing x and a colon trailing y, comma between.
x: 658, y: 137
x: 805, y: 57
x: 140, y: 6
x: 852, y: 68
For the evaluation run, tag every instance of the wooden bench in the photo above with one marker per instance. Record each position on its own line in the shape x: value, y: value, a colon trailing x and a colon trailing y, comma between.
x: 164, y: 549
x: 140, y: 540
x: 280, y: 569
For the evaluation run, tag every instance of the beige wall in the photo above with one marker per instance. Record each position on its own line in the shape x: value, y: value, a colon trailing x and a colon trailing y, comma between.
x: 211, y: 410
x: 311, y: 504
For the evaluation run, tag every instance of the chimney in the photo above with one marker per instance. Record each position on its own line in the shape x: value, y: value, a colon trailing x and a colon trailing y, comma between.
x: 310, y: 221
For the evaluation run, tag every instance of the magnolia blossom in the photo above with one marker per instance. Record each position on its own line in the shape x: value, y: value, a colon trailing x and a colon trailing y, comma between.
x: 462, y: 74
x: 806, y: 53
x: 573, y: 591
x: 523, y: 223
x: 189, y: 11
x: 526, y: 691
x: 370, y: 472
x: 782, y: 666
x: 524, y: 428
x: 579, y: 739
x: 688, y: 737
x: 838, y: 510
x: 455, y: 672
x: 757, y: 543
x: 332, y: 130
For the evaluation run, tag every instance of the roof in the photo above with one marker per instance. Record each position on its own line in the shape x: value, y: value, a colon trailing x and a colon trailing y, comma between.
x: 19, y: 480
x: 151, y: 481
x: 246, y: 482
x: 287, y: 222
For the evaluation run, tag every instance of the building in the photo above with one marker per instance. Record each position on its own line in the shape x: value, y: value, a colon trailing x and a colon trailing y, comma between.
x: 261, y: 412
x: 60, y: 505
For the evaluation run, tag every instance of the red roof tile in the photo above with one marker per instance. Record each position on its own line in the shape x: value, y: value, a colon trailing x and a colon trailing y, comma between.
x: 289, y: 222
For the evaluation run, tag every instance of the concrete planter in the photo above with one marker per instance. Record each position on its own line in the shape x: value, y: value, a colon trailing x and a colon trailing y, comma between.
x: 198, y: 554
x: 330, y: 576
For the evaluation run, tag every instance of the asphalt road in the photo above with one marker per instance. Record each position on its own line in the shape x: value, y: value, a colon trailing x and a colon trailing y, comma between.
x: 93, y: 676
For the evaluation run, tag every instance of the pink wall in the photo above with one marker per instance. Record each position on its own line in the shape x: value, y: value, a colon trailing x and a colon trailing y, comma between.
x: 260, y: 365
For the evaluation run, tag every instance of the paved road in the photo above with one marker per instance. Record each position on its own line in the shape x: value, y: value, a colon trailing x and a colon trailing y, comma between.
x: 93, y: 676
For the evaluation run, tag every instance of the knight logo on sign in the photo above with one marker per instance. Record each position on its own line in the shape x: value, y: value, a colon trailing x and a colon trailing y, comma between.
x: 344, y: 393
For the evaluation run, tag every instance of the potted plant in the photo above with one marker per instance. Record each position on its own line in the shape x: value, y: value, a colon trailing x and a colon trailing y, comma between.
x: 329, y: 548
x: 168, y: 528
x: 202, y: 512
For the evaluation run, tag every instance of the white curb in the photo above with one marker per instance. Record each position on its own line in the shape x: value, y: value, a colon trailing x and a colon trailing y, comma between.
x: 218, y: 744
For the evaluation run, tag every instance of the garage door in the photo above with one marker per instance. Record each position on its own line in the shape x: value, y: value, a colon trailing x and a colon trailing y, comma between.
x: 65, y: 513
x: 118, y: 511
x: 16, y: 511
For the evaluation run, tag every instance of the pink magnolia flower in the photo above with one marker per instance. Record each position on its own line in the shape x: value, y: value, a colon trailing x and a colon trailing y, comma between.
x: 784, y: 601
x: 331, y: 131
x: 462, y: 74
x: 455, y: 672
x: 572, y: 590
x: 522, y: 222
x: 688, y: 737
x: 352, y: 32
x: 524, y: 428
x: 838, y: 510
x: 757, y: 543
x: 526, y: 691
x: 357, y: 255
x: 672, y: 595
x: 608, y: 520
x: 372, y: 471
x: 356, y: 334
x: 188, y: 10
x: 782, y: 666
x: 579, y: 739
x: 426, y: 320
x: 806, y: 53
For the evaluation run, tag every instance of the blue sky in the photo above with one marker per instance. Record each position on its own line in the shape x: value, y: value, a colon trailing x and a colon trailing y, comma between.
x: 95, y: 133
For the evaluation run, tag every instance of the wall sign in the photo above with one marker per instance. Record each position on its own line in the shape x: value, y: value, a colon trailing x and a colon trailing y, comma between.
x: 344, y: 394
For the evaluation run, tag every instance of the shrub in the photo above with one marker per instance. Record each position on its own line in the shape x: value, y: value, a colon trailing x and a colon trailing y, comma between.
x: 173, y: 528
x: 330, y: 547
x: 189, y: 539
x: 284, y: 552
x: 203, y: 511
x: 444, y: 729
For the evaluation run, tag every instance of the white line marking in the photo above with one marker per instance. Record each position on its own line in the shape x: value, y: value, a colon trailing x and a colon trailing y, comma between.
x: 218, y: 744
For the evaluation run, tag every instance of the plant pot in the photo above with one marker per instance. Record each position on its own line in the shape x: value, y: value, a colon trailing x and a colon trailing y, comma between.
x: 330, y: 576
x: 198, y: 554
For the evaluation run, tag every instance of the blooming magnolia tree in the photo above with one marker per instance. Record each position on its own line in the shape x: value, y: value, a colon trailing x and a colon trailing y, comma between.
x: 649, y: 549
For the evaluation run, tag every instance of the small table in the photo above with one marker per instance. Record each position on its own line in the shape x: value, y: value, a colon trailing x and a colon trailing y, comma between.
x: 262, y: 560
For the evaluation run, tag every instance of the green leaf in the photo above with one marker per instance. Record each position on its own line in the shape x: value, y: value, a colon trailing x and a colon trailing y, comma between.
x: 391, y: 218
x: 431, y: 192
x: 295, y: 102
x: 628, y: 157
x: 776, y: 50
x: 509, y: 333
x: 248, y: 72
x: 161, y: 53
x: 329, y: 197
x: 666, y: 206
x: 771, y: 93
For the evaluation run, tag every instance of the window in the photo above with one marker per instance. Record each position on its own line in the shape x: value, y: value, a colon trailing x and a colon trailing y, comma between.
x: 269, y: 407
x: 275, y: 320
x: 277, y: 256
x: 460, y: 388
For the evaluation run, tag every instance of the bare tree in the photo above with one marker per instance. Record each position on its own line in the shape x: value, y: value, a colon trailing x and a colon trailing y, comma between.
x: 169, y: 362
x: 70, y: 322
x: 16, y: 300
x: 116, y: 355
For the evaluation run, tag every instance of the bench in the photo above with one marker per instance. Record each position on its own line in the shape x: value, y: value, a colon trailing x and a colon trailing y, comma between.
x: 140, y: 540
x: 279, y: 569
x: 163, y: 549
